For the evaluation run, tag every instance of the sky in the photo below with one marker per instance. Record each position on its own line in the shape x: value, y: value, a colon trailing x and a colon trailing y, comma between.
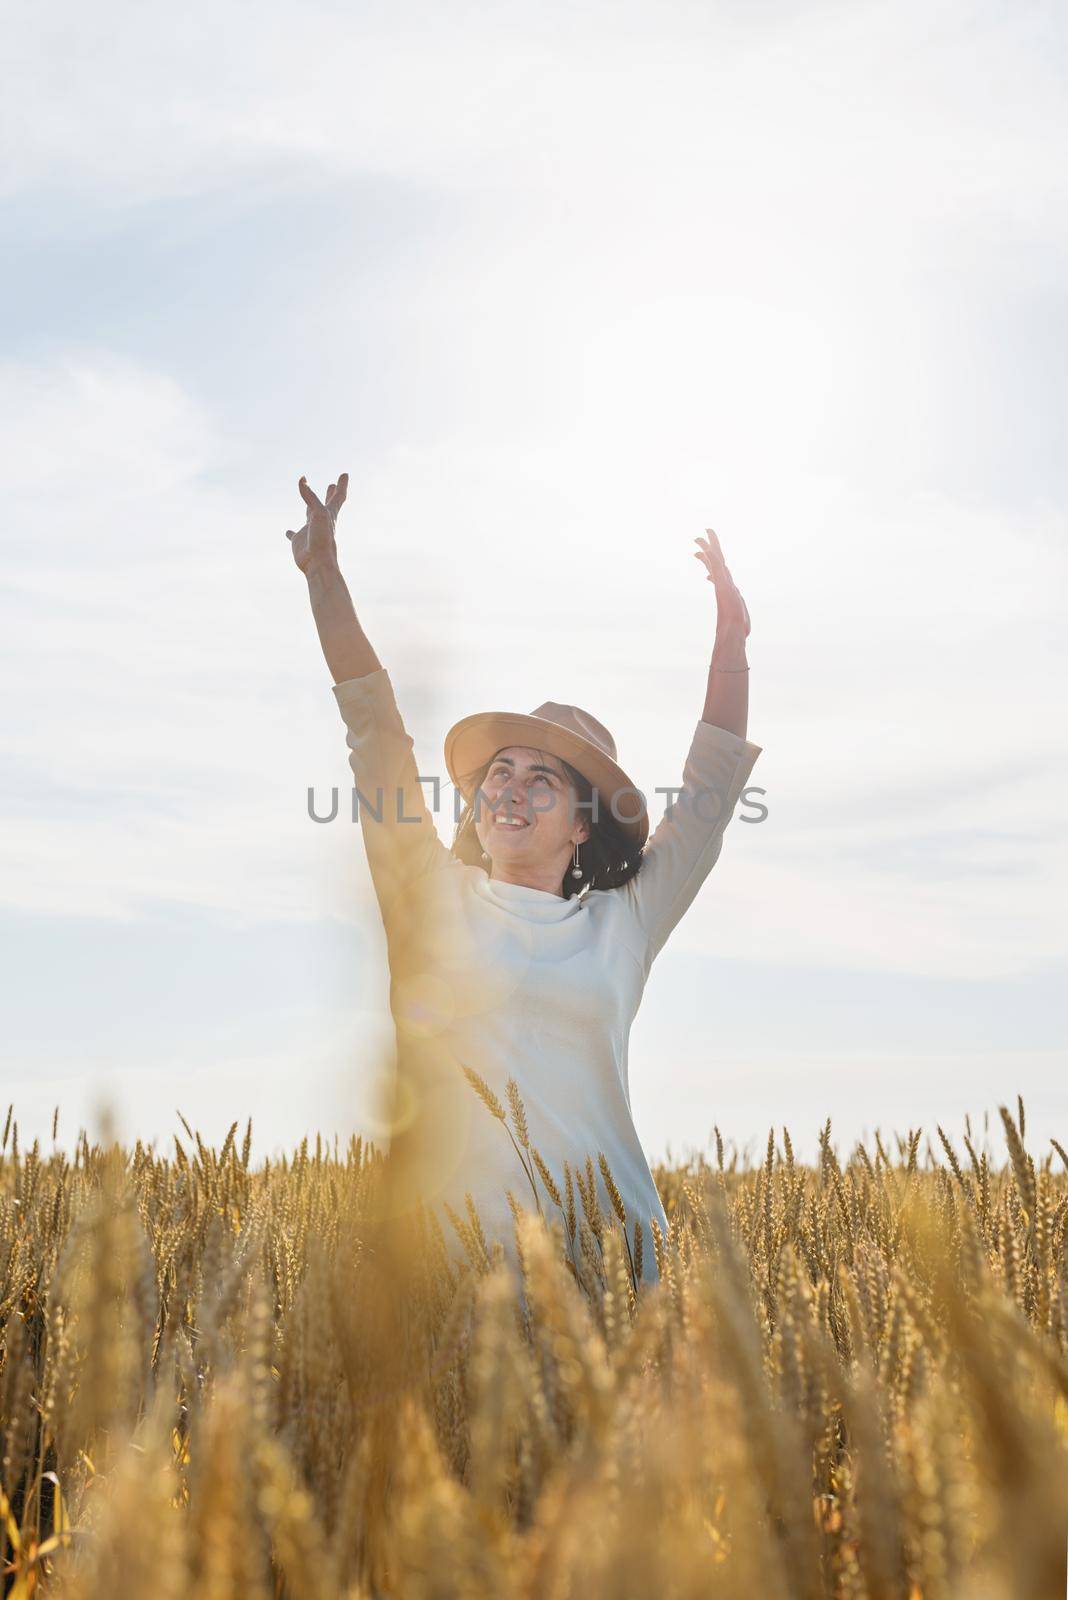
x: 560, y: 287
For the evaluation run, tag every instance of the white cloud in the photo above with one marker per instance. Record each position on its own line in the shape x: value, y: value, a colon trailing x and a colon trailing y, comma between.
x: 809, y: 112
x: 92, y: 429
x: 164, y: 727
x: 785, y: 271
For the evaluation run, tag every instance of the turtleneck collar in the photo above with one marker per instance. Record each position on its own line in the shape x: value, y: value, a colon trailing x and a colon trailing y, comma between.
x: 536, y: 905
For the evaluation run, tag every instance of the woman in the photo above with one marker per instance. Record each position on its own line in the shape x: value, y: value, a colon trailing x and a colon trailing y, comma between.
x: 522, y: 951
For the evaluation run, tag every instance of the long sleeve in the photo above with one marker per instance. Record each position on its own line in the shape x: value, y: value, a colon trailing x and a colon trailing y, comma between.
x: 685, y: 845
x: 405, y: 843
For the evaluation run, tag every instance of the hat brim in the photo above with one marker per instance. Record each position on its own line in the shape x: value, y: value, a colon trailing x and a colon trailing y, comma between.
x: 471, y: 742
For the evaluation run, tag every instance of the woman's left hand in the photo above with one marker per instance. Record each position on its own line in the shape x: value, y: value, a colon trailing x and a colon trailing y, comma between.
x: 732, y: 613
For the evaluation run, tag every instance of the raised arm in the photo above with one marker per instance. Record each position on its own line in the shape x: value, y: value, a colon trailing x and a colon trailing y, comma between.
x: 686, y: 843
x: 346, y: 647
x: 398, y: 828
x: 727, y: 692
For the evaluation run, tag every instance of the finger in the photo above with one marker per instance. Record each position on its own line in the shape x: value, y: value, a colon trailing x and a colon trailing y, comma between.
x: 714, y: 563
x: 713, y: 544
x: 342, y: 489
x: 290, y: 534
x: 309, y: 496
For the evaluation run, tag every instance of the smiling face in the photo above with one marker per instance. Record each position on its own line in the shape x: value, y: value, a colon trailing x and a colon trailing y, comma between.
x: 529, y: 821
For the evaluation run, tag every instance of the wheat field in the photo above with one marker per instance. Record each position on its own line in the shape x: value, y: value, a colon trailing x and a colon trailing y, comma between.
x: 224, y: 1380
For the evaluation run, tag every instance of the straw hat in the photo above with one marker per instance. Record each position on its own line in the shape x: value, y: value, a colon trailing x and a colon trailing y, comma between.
x: 567, y: 732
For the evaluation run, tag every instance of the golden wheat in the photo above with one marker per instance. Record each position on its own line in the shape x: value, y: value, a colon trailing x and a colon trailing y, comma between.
x: 847, y: 1380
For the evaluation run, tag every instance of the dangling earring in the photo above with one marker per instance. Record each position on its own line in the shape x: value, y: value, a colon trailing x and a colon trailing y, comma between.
x: 576, y: 870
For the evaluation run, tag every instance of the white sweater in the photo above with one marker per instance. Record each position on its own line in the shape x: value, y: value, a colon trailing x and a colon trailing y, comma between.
x: 519, y: 982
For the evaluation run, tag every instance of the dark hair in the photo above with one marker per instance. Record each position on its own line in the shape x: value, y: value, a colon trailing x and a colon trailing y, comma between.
x: 607, y: 858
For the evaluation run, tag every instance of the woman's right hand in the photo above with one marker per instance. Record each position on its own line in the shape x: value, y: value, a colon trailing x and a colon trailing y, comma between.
x: 313, y: 544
